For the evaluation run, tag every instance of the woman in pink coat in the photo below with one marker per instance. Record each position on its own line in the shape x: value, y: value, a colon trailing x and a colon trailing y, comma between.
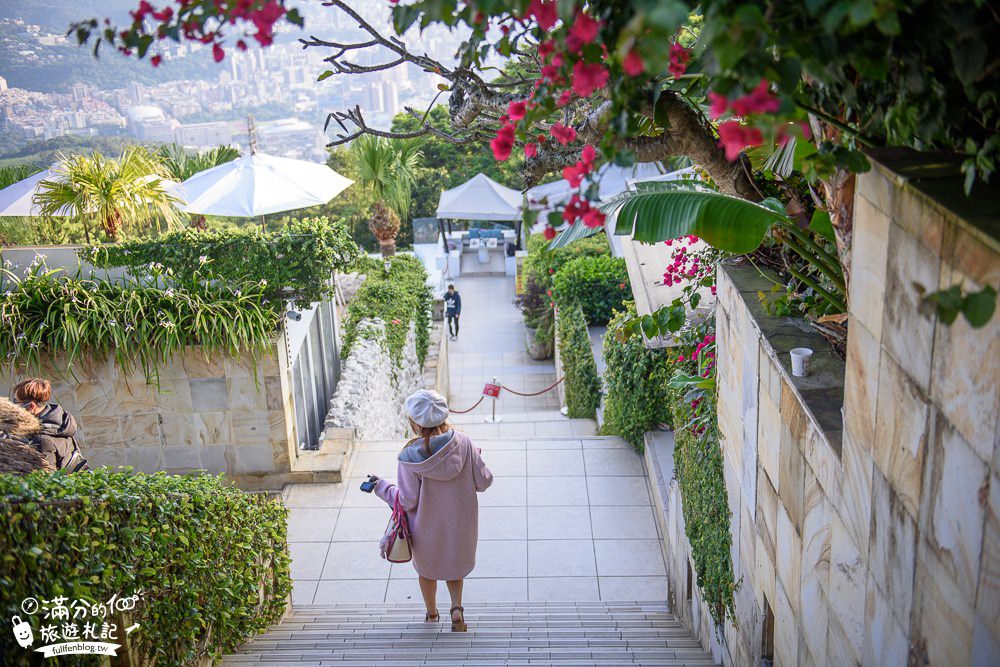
x: 439, y: 474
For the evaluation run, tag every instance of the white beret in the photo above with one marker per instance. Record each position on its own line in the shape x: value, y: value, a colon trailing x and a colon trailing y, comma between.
x: 427, y: 408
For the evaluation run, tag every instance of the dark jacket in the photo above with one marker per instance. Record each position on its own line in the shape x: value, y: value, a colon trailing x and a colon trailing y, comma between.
x: 57, y: 441
x: 452, y: 303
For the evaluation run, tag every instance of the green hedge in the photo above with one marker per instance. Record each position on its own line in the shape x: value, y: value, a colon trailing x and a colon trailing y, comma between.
x: 544, y: 263
x: 583, y: 386
x: 599, y: 284
x: 398, y: 298
x: 635, y: 384
x: 140, y: 324
x: 211, y: 560
x: 698, y: 462
x: 296, y: 262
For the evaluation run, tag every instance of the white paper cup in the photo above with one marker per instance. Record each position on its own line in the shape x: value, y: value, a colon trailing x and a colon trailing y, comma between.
x: 800, y: 361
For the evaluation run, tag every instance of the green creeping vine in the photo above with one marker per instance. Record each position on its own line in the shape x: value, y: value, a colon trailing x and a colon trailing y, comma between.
x: 397, y: 297
x: 212, y: 561
x: 635, y: 382
x: 583, y: 385
x: 599, y: 284
x: 296, y: 263
x: 140, y: 322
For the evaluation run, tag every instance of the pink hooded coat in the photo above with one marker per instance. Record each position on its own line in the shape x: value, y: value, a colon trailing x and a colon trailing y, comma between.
x: 439, y: 496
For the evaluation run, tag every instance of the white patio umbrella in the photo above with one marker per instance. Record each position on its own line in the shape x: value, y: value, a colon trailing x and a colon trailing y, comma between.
x: 259, y: 184
x: 18, y: 199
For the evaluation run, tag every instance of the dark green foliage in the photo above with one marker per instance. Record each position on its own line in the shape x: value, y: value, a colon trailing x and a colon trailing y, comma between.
x: 398, y: 298
x: 18, y: 172
x: 583, y: 386
x: 212, y: 561
x: 138, y: 322
x: 296, y: 261
x: 698, y: 461
x: 599, y: 284
x: 635, y: 383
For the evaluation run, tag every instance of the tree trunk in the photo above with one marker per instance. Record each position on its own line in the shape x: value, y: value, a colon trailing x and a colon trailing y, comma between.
x: 838, y: 190
x: 388, y: 248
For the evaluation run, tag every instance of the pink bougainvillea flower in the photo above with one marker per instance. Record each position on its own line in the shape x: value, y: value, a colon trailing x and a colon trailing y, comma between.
x: 545, y: 49
x: 140, y: 12
x: 633, y: 64
x: 545, y: 13
x: 588, y: 77
x: 563, y: 133
x: 217, y: 53
x: 735, y: 137
x: 679, y: 57
x: 503, y: 143
x: 719, y: 104
x: 164, y: 14
x: 549, y: 234
x: 516, y: 110
x: 574, y: 174
x: 759, y: 100
x: 241, y: 45
x: 593, y: 218
x: 806, y: 131
x: 583, y: 31
x: 550, y: 73
x: 564, y: 98
x: 530, y: 150
x: 588, y: 154
x: 156, y: 60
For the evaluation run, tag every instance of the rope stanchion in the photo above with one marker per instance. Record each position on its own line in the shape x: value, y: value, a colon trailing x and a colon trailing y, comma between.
x: 537, y: 393
x: 462, y: 412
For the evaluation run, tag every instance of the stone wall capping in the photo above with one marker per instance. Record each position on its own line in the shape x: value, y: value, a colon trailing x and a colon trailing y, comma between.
x: 821, y: 392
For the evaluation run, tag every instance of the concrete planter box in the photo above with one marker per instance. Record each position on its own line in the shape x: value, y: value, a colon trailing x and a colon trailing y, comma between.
x: 537, y: 350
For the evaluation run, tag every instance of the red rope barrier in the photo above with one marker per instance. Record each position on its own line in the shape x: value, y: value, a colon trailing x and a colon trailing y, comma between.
x: 537, y: 393
x: 517, y: 393
x: 462, y: 412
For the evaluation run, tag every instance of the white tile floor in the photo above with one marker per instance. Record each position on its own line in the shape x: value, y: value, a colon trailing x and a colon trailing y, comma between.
x: 568, y: 516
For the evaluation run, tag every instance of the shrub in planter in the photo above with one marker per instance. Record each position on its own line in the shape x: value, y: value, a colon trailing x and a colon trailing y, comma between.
x: 544, y: 263
x: 635, y: 383
x: 296, y: 262
x: 599, y: 284
x: 583, y: 385
x: 212, y: 561
x: 397, y: 297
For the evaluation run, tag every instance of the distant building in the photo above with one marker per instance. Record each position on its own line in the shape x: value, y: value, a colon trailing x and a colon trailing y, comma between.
x: 202, y: 135
x: 149, y: 123
x: 136, y: 92
x: 291, y: 137
x: 3, y: 84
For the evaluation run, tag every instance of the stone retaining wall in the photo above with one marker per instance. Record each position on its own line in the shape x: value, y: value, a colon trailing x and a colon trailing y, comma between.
x: 371, y: 390
x: 206, y: 414
x: 871, y: 534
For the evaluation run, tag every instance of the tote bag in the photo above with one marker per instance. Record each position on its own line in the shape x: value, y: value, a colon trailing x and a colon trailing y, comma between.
x: 395, y: 543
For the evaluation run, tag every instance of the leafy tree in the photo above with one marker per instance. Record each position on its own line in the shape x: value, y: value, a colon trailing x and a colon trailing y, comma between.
x: 182, y: 165
x: 119, y: 194
x: 386, y: 168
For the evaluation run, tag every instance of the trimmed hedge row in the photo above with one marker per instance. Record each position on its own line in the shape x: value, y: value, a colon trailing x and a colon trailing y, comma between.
x: 599, y: 284
x: 211, y: 560
x: 583, y: 385
x: 295, y: 262
x: 397, y: 297
x: 635, y: 383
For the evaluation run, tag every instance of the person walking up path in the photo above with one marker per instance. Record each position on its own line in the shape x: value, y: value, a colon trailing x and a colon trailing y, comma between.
x: 453, y: 309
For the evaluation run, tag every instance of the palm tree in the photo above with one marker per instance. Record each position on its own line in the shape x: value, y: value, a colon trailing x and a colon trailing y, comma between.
x: 182, y: 165
x: 387, y: 168
x: 117, y: 193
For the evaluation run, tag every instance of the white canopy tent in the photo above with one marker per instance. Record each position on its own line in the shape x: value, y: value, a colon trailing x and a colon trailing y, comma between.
x: 480, y: 198
x: 258, y: 184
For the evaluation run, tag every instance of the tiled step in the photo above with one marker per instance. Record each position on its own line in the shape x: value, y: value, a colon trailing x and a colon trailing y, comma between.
x: 526, y: 633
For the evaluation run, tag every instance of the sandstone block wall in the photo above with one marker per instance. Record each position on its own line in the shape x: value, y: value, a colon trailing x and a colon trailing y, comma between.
x: 208, y: 414
x: 872, y: 534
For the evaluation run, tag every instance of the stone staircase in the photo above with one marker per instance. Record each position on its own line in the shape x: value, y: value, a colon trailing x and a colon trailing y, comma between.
x: 585, y: 634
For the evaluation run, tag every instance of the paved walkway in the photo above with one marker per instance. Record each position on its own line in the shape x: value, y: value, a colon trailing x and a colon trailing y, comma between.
x: 491, y: 343
x: 568, y: 517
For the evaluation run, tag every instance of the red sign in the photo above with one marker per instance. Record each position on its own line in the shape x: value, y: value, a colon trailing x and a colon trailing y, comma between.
x: 492, y: 390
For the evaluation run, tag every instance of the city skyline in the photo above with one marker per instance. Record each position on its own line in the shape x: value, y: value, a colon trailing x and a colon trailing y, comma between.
x: 209, y: 106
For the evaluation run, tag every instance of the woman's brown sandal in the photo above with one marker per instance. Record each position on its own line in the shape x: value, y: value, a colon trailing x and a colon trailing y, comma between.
x: 458, y: 626
x: 432, y: 618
